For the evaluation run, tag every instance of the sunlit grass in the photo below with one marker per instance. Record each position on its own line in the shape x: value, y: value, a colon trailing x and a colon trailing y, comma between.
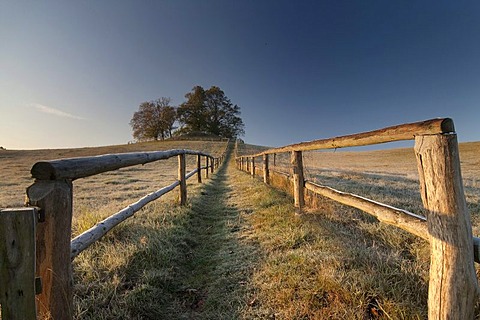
x: 238, y: 251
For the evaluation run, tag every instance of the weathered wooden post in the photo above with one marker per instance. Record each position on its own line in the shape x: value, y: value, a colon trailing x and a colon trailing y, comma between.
x: 274, y: 159
x: 206, y: 167
x: 181, y: 177
x: 266, y: 173
x: 298, y: 180
x: 252, y: 169
x: 211, y: 166
x: 248, y: 163
x: 54, y: 198
x: 453, y: 287
x: 17, y: 263
x: 199, y: 168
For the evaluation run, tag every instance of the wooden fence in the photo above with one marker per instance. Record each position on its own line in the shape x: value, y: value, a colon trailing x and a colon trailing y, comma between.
x: 36, y: 248
x: 453, y: 286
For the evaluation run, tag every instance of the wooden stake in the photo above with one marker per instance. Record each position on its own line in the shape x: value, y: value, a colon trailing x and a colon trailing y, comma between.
x: 298, y: 180
x: 53, y: 236
x: 17, y: 263
x: 206, y: 167
x: 252, y: 169
x: 266, y: 174
x: 199, y: 168
x: 453, y: 287
x: 181, y: 177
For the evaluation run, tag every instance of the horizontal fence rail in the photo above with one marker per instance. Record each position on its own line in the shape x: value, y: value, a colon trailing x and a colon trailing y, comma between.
x: 47, y: 243
x: 87, y: 238
x: 391, y: 134
x: 453, y: 285
x: 75, y: 168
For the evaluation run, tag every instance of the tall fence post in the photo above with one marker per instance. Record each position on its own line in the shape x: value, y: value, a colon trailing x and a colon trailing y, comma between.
x: 199, y: 168
x: 206, y: 167
x: 252, y: 169
x: 211, y: 164
x: 17, y: 263
x: 181, y: 177
x: 453, y: 287
x: 298, y: 180
x: 54, y: 198
x: 266, y: 173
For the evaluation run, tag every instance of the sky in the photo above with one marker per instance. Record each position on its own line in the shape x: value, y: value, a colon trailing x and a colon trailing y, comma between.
x: 72, y: 73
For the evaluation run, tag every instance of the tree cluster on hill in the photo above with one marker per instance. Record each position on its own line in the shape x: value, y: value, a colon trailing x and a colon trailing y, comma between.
x: 206, y: 111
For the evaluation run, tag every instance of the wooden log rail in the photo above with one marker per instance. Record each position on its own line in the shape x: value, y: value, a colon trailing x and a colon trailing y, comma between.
x: 453, y: 285
x: 44, y: 250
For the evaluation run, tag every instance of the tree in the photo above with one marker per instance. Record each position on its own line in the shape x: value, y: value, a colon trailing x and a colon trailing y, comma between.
x: 210, y: 111
x: 192, y: 113
x: 153, y: 120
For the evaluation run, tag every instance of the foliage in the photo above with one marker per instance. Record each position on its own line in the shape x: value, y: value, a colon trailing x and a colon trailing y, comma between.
x: 210, y: 111
x: 153, y: 120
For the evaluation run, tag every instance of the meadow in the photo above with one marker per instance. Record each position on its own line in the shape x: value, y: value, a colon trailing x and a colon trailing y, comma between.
x: 237, y: 250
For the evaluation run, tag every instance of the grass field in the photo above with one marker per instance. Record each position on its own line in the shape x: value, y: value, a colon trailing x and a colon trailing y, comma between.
x: 238, y: 251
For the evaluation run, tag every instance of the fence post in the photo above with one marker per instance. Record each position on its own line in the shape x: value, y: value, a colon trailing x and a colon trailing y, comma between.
x: 54, y: 198
x: 181, y: 178
x: 274, y: 159
x: 206, y: 167
x: 17, y: 263
x: 199, y: 168
x: 266, y: 173
x: 298, y: 180
x: 211, y: 164
x: 453, y: 287
x: 252, y: 171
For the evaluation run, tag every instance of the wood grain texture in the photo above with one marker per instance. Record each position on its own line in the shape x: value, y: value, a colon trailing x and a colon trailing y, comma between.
x: 17, y: 263
x: 266, y: 173
x: 453, y: 287
x: 298, y: 180
x: 53, y: 247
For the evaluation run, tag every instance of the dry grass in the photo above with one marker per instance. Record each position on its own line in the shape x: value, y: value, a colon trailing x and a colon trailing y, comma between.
x: 335, y: 262
x: 238, y: 251
x: 106, y: 192
x: 172, y: 263
x: 388, y: 176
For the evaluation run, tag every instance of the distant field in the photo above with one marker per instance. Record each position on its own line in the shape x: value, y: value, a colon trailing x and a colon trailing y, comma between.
x: 105, y: 192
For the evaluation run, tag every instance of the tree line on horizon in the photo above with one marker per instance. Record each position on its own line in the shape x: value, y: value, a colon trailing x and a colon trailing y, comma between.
x: 204, y: 112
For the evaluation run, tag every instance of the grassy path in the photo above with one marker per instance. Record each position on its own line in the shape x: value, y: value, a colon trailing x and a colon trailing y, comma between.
x: 169, y: 262
x: 238, y: 251
x: 219, y: 258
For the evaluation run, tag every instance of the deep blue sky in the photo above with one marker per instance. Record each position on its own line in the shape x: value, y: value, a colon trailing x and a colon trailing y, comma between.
x: 72, y: 73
